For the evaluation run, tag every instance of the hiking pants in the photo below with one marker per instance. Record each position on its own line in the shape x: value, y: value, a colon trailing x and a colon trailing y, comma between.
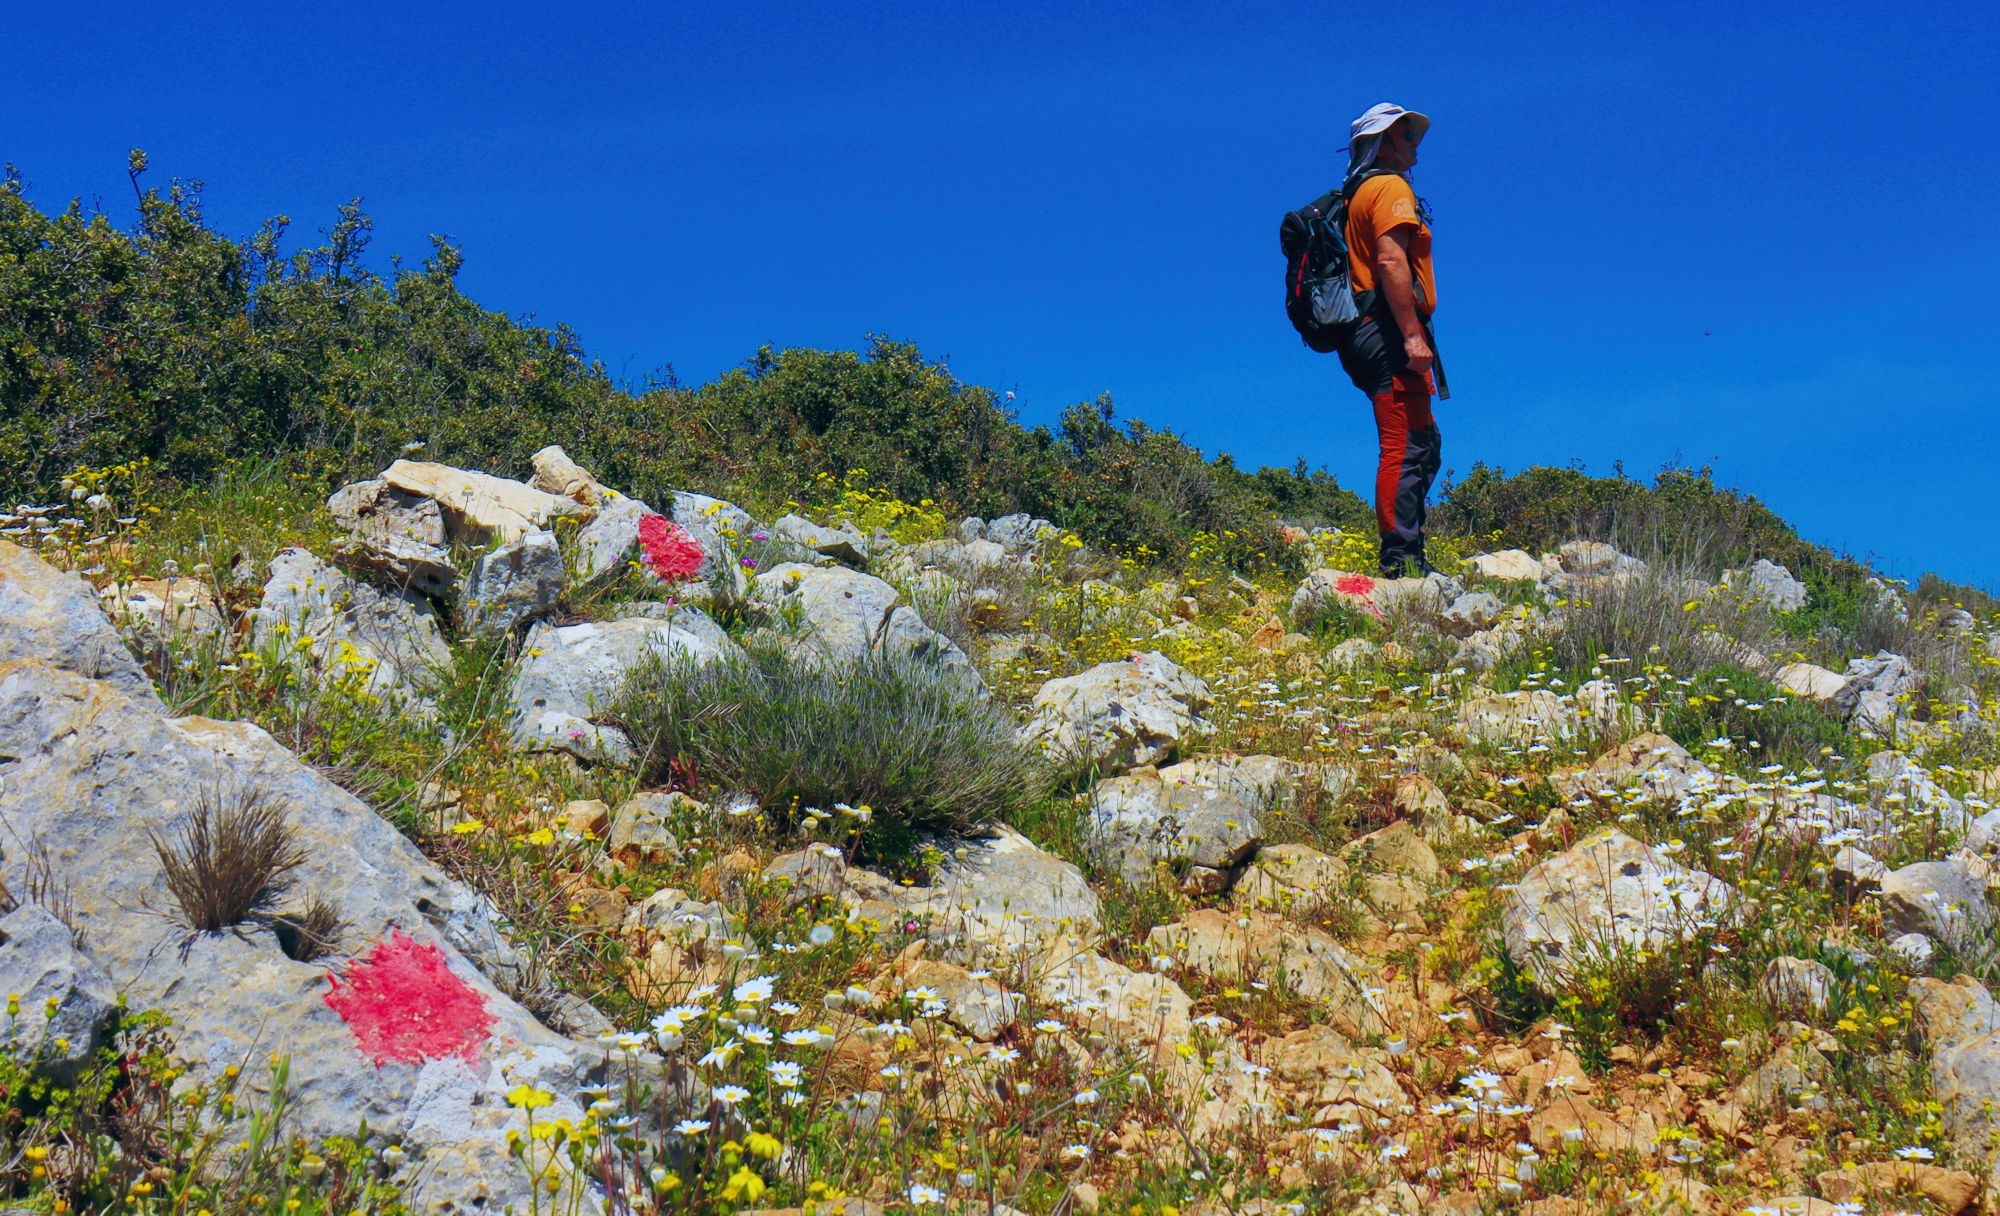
x: 1410, y: 449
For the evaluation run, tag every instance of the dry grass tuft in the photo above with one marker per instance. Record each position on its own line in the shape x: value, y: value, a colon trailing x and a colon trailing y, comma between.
x: 312, y: 933
x: 232, y: 857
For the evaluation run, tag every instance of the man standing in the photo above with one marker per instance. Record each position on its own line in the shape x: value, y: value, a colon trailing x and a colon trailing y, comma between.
x: 1390, y: 356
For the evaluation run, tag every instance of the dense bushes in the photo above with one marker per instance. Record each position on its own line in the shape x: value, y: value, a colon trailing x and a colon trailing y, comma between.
x: 896, y: 736
x: 173, y: 342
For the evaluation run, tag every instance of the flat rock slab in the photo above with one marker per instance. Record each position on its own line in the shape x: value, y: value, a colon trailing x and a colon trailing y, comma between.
x: 479, y: 507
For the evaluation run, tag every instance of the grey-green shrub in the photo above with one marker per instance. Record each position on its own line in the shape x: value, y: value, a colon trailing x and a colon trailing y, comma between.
x: 907, y: 739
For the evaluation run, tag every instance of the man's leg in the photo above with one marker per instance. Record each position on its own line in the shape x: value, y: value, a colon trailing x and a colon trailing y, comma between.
x: 1403, y: 473
x: 1425, y: 446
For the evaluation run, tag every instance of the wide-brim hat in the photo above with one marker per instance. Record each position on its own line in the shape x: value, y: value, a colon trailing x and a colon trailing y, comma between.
x: 1379, y: 118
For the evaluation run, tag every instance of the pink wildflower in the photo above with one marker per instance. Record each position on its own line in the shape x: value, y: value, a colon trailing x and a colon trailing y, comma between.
x: 405, y: 1006
x: 667, y: 549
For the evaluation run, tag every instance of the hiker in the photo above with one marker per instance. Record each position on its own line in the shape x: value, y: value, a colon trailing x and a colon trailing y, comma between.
x: 1390, y: 355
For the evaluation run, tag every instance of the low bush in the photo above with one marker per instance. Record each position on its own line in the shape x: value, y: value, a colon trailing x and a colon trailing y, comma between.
x: 899, y: 737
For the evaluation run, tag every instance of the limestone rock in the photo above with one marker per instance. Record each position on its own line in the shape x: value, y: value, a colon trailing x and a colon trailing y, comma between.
x: 1793, y: 987
x: 849, y: 617
x: 643, y: 823
x: 48, y: 614
x: 1961, y: 1024
x: 1221, y: 946
x: 42, y: 967
x: 1945, y: 900
x: 1854, y: 873
x: 1019, y: 533
x: 1954, y: 1192
x: 1591, y: 558
x: 1119, y: 714
x: 1291, y: 879
x: 572, y: 673
x: 95, y: 770
x: 1514, y: 565
x: 1263, y: 782
x: 479, y: 507
x: 997, y: 895
x: 1810, y: 681
x: 516, y: 583
x: 1471, y: 613
x: 375, y: 510
x: 1769, y: 583
x: 847, y: 548
x: 1653, y: 763
x: 1606, y: 896
x: 556, y: 473
x: 1519, y: 718
x: 1885, y: 674
x: 159, y: 617
x: 397, y: 562
x: 1139, y: 822
x: 334, y: 623
x: 980, y: 1007
x: 609, y: 538
x: 1132, y: 1008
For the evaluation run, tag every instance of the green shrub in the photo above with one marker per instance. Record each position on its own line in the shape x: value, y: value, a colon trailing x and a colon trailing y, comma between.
x: 898, y: 736
x: 1726, y: 701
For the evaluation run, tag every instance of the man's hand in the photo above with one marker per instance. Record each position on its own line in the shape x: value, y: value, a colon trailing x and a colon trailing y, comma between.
x: 1418, y: 352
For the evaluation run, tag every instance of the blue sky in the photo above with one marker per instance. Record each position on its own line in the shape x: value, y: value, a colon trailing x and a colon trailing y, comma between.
x: 1754, y: 236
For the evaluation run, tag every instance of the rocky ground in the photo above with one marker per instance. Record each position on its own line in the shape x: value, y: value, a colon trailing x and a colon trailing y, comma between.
x: 1339, y: 894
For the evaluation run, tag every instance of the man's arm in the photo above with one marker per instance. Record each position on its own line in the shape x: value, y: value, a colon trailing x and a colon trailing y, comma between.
x: 1393, y: 277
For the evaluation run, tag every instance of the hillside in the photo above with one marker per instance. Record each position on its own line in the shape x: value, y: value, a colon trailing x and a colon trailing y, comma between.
x: 435, y: 778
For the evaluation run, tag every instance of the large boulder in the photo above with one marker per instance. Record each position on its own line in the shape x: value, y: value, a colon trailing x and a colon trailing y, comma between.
x: 845, y: 547
x: 1512, y: 565
x: 1961, y: 1024
x: 1606, y: 898
x: 1944, y: 900
x: 331, y: 623
x: 479, y: 507
x: 572, y: 673
x: 1118, y: 714
x: 1139, y: 822
x: 516, y: 583
x: 996, y: 896
x: 408, y: 1032
x: 53, y: 615
x: 1869, y: 698
x: 1811, y: 681
x: 1769, y: 583
x: 1653, y: 764
x: 397, y: 561
x: 848, y: 616
x: 376, y: 510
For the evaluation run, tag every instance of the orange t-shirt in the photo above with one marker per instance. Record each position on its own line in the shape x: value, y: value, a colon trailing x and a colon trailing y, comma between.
x: 1382, y: 204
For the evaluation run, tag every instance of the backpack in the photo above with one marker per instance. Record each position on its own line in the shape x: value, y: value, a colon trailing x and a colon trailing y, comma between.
x: 1318, y: 298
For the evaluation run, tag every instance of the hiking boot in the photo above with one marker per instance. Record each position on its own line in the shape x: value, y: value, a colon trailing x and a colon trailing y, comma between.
x: 1408, y: 567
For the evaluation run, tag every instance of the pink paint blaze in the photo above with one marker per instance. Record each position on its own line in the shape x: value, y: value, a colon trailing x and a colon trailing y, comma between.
x: 405, y: 1006
x: 1358, y: 585
x: 667, y: 549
